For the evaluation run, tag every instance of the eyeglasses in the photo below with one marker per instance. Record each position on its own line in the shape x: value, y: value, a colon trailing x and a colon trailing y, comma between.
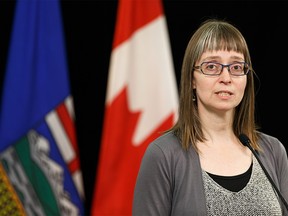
x: 215, y: 69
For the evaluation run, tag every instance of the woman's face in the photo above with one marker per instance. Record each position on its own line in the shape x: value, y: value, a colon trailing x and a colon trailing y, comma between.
x: 222, y: 92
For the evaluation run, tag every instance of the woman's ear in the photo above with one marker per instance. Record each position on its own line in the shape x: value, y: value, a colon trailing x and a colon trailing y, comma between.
x: 193, y: 84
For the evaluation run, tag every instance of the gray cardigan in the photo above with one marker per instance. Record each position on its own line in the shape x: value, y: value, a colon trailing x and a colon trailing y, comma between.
x: 170, y: 182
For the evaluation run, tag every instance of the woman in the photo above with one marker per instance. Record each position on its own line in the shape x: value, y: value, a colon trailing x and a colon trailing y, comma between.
x: 200, y: 167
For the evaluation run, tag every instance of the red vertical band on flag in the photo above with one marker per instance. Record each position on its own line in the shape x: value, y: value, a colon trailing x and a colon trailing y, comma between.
x: 132, y: 15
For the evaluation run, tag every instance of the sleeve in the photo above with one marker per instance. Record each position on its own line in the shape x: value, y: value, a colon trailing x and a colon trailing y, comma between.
x: 283, y: 172
x: 153, y: 191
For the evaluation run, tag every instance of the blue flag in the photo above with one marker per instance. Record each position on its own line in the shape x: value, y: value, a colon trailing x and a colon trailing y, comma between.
x: 39, y: 163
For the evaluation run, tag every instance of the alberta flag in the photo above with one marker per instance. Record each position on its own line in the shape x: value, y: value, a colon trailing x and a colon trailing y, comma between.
x: 39, y: 163
x: 141, y: 102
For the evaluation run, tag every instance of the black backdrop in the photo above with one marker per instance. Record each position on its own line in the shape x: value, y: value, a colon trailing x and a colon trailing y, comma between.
x: 89, y: 28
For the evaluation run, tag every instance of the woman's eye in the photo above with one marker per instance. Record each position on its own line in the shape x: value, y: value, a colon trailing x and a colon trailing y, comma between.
x: 237, y: 67
x: 211, y: 66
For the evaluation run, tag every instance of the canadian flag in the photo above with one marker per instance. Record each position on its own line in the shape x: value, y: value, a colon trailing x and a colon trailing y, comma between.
x: 141, y: 102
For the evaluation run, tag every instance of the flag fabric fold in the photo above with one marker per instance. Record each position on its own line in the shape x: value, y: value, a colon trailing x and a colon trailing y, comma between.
x: 141, y: 102
x: 39, y: 163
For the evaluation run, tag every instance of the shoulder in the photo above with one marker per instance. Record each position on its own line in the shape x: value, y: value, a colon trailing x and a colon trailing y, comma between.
x: 166, y: 143
x: 269, y: 142
x: 271, y: 145
x: 167, y: 148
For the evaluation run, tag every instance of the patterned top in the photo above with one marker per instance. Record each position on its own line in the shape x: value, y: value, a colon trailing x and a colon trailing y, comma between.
x: 256, y: 198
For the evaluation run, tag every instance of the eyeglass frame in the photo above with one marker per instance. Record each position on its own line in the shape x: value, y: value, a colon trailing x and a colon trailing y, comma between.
x: 222, y: 67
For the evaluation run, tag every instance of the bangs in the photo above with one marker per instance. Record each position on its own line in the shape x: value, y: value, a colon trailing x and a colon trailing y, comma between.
x: 222, y: 38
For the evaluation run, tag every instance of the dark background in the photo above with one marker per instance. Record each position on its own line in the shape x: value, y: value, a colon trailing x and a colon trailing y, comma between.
x: 89, y: 29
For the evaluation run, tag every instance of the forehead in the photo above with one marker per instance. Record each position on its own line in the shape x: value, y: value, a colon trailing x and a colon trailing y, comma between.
x: 221, y: 55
